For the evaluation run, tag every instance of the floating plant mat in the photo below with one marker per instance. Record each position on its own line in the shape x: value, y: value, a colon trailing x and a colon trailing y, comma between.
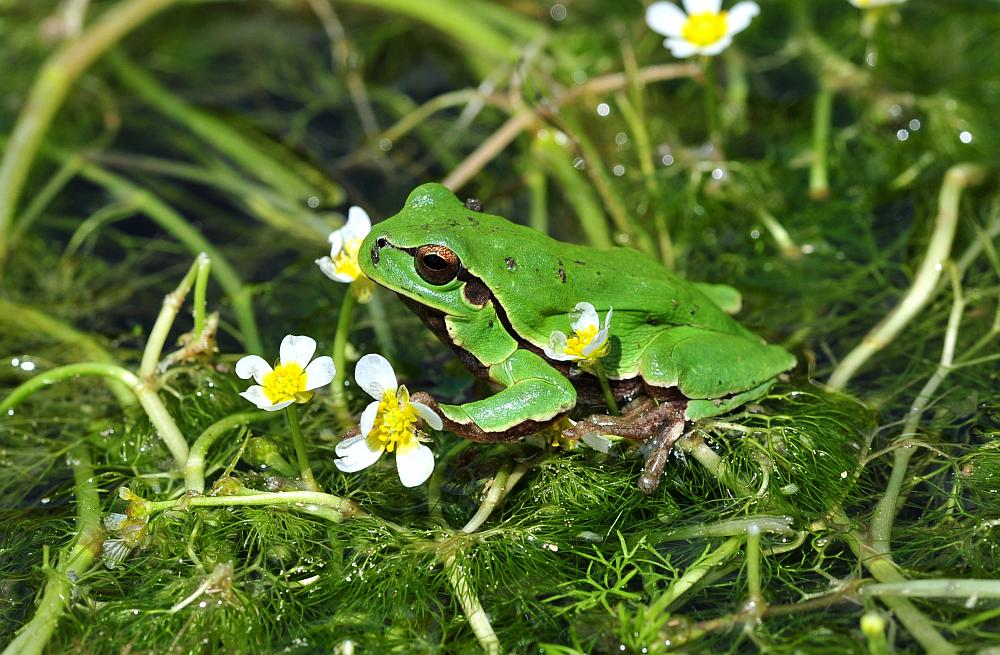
x: 180, y: 469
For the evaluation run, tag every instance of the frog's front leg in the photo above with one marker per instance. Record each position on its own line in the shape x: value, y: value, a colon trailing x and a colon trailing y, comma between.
x: 534, y: 393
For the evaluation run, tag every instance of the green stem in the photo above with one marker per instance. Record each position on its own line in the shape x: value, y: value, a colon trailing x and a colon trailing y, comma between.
x: 73, y: 561
x: 694, y: 573
x: 478, y: 620
x: 549, y: 149
x: 171, y: 221
x: 200, y: 305
x: 172, y: 304
x: 756, y: 602
x: 328, y: 506
x: 936, y: 588
x: 711, y: 102
x: 305, y: 470
x: 344, y: 322
x: 819, y: 182
x: 924, y: 284
x: 644, y: 152
x: 30, y: 320
x: 457, y: 19
x: 498, y: 489
x: 537, y: 185
x: 218, y: 133
x: 157, y: 412
x: 696, y: 447
x: 597, y: 368
x: 52, y: 85
x: 44, y: 196
x: 194, y: 470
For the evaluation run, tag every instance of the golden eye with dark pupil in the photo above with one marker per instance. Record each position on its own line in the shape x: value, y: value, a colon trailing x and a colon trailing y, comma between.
x: 437, y: 264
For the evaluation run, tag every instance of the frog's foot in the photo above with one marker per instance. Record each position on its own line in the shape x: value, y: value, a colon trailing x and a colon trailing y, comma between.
x: 658, y: 426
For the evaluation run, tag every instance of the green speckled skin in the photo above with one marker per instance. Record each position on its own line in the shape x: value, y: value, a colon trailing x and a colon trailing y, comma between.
x: 665, y: 329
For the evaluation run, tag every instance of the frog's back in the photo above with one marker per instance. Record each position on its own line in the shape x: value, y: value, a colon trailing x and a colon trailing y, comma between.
x: 536, y: 280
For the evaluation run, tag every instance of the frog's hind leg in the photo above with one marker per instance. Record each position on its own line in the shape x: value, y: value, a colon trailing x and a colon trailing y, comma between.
x: 659, y: 426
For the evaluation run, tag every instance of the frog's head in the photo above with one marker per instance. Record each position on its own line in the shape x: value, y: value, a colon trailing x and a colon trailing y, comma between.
x: 425, y: 251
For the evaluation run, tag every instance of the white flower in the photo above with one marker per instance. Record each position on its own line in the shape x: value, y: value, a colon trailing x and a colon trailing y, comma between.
x: 704, y: 30
x: 292, y: 381
x: 590, y: 340
x: 871, y: 4
x: 388, y: 424
x: 345, y: 244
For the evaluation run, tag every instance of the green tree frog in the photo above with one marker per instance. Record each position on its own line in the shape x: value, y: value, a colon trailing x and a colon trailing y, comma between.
x: 495, y: 291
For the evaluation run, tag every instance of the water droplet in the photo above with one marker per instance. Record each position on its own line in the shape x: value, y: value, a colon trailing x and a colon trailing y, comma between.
x: 965, y: 136
x: 902, y: 135
x: 914, y: 124
x: 313, y: 202
x: 558, y: 12
x: 718, y: 174
x: 385, y: 145
x: 667, y: 160
x: 618, y: 170
x: 603, y: 109
x: 621, y: 138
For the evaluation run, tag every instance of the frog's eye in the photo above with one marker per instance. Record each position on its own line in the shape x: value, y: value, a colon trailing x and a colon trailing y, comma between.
x: 437, y: 264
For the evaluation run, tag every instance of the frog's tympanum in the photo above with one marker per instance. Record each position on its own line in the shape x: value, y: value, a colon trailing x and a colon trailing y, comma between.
x: 495, y: 291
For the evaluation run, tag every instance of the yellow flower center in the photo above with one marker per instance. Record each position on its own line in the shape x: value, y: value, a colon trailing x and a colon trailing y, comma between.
x: 346, y: 262
x: 705, y: 29
x: 286, y: 382
x: 395, y: 422
x: 576, y: 344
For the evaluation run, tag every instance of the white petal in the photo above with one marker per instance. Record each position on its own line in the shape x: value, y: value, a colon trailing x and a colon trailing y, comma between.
x: 358, y: 224
x: 336, y: 240
x: 665, y: 18
x: 374, y: 374
x: 256, y: 395
x: 367, y: 421
x: 584, y: 316
x: 680, y: 48
x: 702, y: 6
x: 717, y: 47
x: 298, y: 349
x: 599, y: 340
x: 596, y: 441
x: 607, y: 318
x: 356, y: 454
x: 556, y: 349
x: 320, y: 373
x: 253, y: 365
x: 326, y: 265
x: 415, y: 465
x: 428, y: 414
x: 739, y: 17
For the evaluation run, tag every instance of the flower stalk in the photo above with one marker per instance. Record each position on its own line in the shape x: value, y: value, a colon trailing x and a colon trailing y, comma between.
x: 344, y: 322
x: 305, y: 469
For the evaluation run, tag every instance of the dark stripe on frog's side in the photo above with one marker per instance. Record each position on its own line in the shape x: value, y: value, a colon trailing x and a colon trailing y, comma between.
x: 588, y: 390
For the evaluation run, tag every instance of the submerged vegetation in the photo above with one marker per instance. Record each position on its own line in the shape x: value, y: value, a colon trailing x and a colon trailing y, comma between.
x: 836, y: 164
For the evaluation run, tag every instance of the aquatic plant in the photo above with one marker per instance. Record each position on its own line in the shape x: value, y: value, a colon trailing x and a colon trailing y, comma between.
x: 835, y: 165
